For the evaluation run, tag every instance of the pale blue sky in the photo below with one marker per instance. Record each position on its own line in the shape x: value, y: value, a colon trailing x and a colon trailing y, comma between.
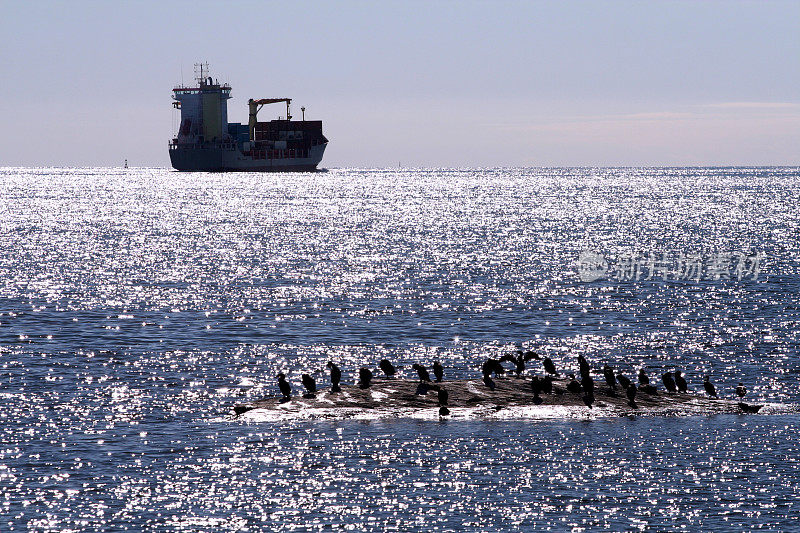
x: 422, y: 83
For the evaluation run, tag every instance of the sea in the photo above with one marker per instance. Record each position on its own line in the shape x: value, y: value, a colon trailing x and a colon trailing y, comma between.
x: 138, y: 306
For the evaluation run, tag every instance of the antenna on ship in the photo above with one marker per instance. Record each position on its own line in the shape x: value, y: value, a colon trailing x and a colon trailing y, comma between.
x: 201, y: 72
x: 303, y: 110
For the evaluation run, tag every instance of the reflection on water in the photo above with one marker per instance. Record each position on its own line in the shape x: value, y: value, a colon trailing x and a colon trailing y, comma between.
x: 136, y: 307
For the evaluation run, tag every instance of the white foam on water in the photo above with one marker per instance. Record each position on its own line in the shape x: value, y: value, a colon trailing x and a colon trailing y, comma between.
x: 313, y: 413
x: 550, y: 412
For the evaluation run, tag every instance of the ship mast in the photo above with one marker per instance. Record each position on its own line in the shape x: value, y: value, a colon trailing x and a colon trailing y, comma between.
x: 201, y: 70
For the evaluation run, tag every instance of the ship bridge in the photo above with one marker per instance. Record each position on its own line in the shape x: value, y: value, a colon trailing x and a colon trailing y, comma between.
x: 204, y: 108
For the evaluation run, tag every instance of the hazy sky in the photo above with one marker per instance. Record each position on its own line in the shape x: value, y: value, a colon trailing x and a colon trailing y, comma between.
x: 422, y: 83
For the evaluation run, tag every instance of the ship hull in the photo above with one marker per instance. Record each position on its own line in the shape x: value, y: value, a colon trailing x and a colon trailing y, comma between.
x: 190, y: 158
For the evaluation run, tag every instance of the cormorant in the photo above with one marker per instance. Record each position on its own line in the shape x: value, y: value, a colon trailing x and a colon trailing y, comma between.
x: 442, y: 396
x: 286, y: 389
x: 387, y: 367
x: 669, y: 382
x: 583, y: 365
x: 709, y: 387
x: 438, y: 371
x: 680, y: 381
x: 643, y: 379
x: 573, y: 385
x: 546, y: 384
x: 530, y: 354
x: 611, y: 381
x: 520, y: 359
x: 623, y: 381
x: 549, y: 367
x: 519, y: 362
x: 630, y: 392
x: 364, y: 377
x: 536, y: 387
x: 422, y: 372
x: 309, y: 384
x: 492, y: 366
x: 588, y: 399
x: 740, y: 390
x: 587, y: 383
x: 336, y: 377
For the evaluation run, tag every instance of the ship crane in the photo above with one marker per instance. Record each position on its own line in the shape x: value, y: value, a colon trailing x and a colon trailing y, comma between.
x: 255, y: 107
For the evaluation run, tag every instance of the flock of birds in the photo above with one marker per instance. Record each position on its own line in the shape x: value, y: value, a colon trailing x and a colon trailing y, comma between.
x: 674, y: 381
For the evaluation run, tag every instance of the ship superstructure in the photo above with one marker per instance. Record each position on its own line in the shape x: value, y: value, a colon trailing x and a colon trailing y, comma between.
x: 206, y: 141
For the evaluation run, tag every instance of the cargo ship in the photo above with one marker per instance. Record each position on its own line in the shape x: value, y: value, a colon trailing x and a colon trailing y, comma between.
x: 207, y: 142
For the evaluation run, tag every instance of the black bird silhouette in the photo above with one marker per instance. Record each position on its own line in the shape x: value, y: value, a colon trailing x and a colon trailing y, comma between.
x: 387, y: 367
x: 422, y: 372
x: 573, y: 385
x: 529, y: 354
x: 546, y: 384
x: 438, y: 371
x: 518, y: 360
x: 669, y: 382
x: 583, y: 366
x: 643, y: 379
x: 740, y: 390
x: 611, y: 381
x: 336, y: 377
x: 680, y: 381
x: 443, y: 411
x: 623, y: 380
x: 630, y: 392
x: 286, y: 389
x: 536, y: 387
x: 309, y: 384
x: 709, y: 387
x: 587, y: 383
x: 492, y: 366
x: 588, y: 399
x: 549, y: 367
x: 442, y: 396
x: 364, y: 378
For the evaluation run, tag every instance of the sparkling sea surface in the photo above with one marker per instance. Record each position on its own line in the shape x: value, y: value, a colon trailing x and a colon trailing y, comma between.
x: 138, y: 306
